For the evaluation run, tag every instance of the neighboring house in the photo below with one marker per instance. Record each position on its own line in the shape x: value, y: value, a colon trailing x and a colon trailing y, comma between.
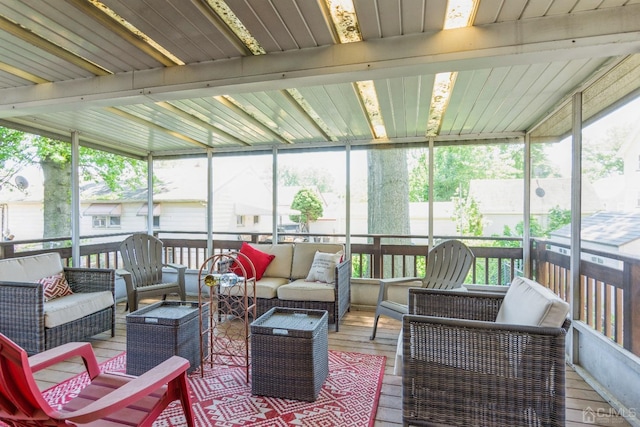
x: 501, y: 201
x: 335, y: 219
x: 630, y: 152
x: 21, y: 211
x: 606, y: 231
x: 242, y: 204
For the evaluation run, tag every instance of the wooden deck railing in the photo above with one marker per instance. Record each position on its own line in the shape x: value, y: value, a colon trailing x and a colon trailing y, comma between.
x: 609, y: 288
x: 609, y: 282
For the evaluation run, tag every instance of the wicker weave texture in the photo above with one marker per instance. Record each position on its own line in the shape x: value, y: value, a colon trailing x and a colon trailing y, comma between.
x: 161, y: 330
x: 336, y: 309
x: 289, y: 353
x: 22, y: 311
x: 458, y: 371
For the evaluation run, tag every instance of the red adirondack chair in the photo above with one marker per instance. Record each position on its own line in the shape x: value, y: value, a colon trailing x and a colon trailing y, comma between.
x: 110, y: 399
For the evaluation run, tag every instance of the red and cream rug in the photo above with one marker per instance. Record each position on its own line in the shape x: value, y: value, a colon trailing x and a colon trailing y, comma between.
x: 349, y: 396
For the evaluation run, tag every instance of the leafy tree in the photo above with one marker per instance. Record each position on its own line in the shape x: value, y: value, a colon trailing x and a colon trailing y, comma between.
x: 535, y: 230
x: 19, y: 150
x: 558, y: 218
x: 467, y: 216
x: 309, y: 177
x: 456, y: 166
x: 309, y: 205
x: 602, y: 158
x: 14, y: 155
x: 419, y: 177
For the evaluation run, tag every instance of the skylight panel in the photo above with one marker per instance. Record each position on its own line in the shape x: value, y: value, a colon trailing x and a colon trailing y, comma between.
x: 345, y: 21
x: 225, y: 13
x: 130, y: 27
x: 460, y: 13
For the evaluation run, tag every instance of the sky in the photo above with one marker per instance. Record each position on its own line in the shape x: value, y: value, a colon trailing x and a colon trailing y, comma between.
x: 560, y: 153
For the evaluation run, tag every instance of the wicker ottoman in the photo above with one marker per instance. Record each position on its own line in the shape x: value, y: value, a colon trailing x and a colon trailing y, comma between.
x: 289, y: 353
x: 161, y: 330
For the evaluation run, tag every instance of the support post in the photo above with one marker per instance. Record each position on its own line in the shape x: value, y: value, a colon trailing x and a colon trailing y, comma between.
x: 576, y: 224
x: 526, y: 232
x: 75, y: 199
x: 150, y: 194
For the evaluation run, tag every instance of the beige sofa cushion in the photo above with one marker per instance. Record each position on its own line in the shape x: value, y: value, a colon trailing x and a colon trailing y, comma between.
x: 529, y: 303
x: 73, y: 307
x: 303, y: 254
x: 266, y: 287
x: 281, y: 264
x: 301, y: 290
x: 30, y: 268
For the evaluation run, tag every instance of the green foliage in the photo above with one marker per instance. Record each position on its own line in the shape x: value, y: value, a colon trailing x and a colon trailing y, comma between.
x: 309, y: 177
x: 117, y: 172
x: 456, y: 166
x: 359, y: 266
x: 309, y: 205
x: 535, y: 230
x: 467, y: 216
x: 601, y: 158
x: 14, y: 155
x: 419, y: 177
x: 558, y: 218
x: 19, y: 150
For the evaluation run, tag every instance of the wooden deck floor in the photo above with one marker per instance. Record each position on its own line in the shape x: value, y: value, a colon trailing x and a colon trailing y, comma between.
x: 354, y: 336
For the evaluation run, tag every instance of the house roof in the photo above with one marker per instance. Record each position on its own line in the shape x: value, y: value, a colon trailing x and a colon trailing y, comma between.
x: 171, y: 78
x: 606, y: 228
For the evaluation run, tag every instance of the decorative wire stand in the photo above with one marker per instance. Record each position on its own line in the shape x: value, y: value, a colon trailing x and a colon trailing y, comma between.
x: 224, y: 338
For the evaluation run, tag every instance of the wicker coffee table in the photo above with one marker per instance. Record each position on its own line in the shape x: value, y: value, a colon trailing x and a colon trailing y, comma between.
x: 289, y: 353
x: 161, y: 330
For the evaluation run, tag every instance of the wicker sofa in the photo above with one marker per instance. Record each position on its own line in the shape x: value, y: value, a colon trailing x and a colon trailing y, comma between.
x: 37, y: 325
x: 480, y: 358
x: 283, y: 282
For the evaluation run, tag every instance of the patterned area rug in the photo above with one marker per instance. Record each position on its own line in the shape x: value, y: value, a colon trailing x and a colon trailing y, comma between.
x: 349, y: 396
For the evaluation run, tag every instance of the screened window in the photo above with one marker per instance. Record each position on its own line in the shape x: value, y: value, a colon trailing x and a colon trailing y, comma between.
x: 105, y: 221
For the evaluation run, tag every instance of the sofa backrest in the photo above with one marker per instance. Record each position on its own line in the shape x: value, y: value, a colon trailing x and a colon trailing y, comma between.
x: 303, y: 254
x: 281, y: 264
x: 529, y: 303
x: 30, y: 268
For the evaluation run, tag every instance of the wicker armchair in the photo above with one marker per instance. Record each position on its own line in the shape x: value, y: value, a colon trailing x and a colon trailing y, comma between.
x: 460, y: 367
x: 22, y: 310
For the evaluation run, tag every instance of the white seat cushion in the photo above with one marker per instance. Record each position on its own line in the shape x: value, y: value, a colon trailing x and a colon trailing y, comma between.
x: 73, y: 307
x: 267, y: 287
x: 529, y: 303
x: 301, y: 290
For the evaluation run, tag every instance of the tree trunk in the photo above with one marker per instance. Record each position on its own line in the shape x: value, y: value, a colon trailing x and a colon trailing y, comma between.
x: 57, y: 198
x: 388, y: 200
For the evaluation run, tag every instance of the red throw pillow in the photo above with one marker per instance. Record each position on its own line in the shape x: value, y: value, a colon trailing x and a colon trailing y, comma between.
x: 259, y: 259
x: 55, y: 286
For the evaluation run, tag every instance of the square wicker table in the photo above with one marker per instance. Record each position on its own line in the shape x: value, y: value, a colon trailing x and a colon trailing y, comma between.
x: 161, y: 330
x: 289, y: 353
